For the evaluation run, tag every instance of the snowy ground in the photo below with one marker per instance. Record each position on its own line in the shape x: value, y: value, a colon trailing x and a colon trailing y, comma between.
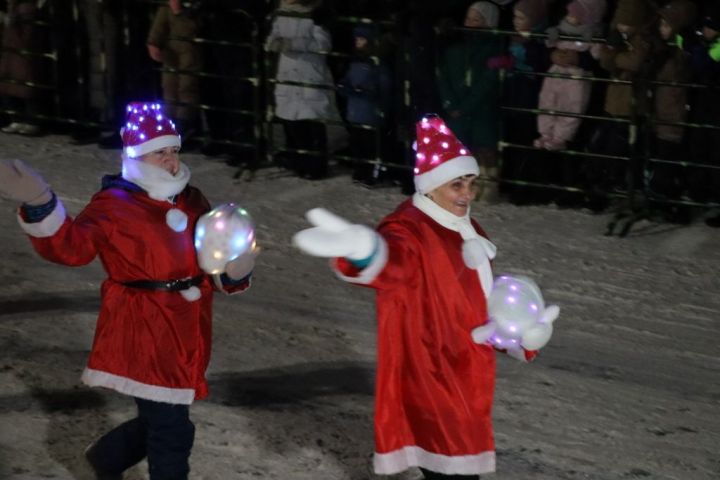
x: 629, y: 387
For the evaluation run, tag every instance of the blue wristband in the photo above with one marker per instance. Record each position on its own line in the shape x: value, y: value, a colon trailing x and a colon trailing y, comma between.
x: 364, y: 262
x: 37, y: 213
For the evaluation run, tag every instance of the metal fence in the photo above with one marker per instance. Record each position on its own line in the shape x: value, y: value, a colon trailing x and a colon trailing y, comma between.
x: 80, y: 77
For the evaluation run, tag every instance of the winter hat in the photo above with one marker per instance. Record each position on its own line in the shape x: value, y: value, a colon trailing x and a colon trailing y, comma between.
x: 147, y: 129
x: 365, y: 30
x: 633, y: 13
x: 535, y: 10
x: 489, y: 11
x: 711, y: 18
x: 679, y: 14
x: 440, y: 156
x: 588, y: 12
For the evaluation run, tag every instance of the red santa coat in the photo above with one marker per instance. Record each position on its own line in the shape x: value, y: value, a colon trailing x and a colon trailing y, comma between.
x: 434, y: 385
x: 148, y: 343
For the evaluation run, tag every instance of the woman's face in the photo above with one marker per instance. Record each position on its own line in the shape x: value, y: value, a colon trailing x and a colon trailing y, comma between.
x: 474, y: 19
x: 521, y: 22
x: 167, y: 158
x: 456, y: 195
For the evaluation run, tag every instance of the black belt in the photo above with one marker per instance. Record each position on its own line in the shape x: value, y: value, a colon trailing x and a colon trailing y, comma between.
x: 166, y: 285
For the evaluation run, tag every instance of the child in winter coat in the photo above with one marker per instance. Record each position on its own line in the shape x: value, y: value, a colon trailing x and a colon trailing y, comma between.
x: 469, y: 91
x: 626, y: 56
x: 366, y: 85
x: 670, y: 103
x: 170, y: 41
x: 300, y: 43
x: 520, y: 90
x: 583, y: 20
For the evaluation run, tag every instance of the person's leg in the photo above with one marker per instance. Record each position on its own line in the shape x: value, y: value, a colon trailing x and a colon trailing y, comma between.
x: 314, y: 138
x: 170, y: 435
x: 118, y: 450
x: 439, y: 476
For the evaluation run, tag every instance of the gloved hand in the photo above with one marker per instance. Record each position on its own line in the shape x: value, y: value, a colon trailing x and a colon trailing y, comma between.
x: 22, y: 184
x: 553, y: 34
x: 334, y: 236
x: 615, y: 39
x: 155, y: 52
x: 242, y: 265
x: 539, y: 335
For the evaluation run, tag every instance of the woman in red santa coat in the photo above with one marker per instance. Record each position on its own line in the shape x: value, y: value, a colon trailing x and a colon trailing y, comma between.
x: 152, y: 340
x: 430, y: 265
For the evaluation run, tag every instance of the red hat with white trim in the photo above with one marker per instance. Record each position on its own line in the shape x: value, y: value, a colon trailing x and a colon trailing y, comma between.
x: 440, y: 156
x: 147, y: 129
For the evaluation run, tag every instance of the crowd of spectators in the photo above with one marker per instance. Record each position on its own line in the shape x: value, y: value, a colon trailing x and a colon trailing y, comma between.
x: 347, y: 80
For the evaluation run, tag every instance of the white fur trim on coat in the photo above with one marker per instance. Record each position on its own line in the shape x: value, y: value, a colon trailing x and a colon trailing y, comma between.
x: 48, y: 226
x: 449, y: 170
x: 151, y: 145
x: 413, y: 456
x: 369, y: 273
x: 178, y: 396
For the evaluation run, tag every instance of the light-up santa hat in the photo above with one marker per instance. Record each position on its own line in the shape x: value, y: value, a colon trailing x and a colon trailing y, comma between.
x: 440, y: 156
x: 147, y: 129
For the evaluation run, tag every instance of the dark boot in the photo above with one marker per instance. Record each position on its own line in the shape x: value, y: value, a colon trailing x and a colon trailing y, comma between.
x: 91, y: 455
x: 713, y: 222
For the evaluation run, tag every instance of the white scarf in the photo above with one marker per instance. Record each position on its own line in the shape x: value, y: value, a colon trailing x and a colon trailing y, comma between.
x: 157, y: 182
x: 477, y: 250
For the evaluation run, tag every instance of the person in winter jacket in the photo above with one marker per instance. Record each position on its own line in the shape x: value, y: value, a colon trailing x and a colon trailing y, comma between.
x: 583, y: 20
x: 170, y: 42
x: 429, y: 263
x: 367, y: 86
x: 526, y: 55
x: 626, y: 56
x: 677, y: 20
x: 20, y: 32
x: 153, y: 335
x: 704, y: 143
x: 301, y: 44
x: 469, y: 90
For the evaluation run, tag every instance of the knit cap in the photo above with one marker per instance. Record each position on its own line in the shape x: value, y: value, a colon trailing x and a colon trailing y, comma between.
x: 365, y: 30
x: 711, y: 16
x: 633, y: 13
x: 489, y: 11
x: 679, y: 14
x: 535, y: 10
x: 588, y: 12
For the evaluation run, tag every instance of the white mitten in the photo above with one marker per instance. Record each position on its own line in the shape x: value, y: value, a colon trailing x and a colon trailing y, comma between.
x: 22, y: 184
x: 483, y: 333
x: 334, y: 236
x: 539, y: 335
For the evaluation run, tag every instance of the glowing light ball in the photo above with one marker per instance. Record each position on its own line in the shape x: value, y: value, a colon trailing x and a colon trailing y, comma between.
x: 517, y: 315
x: 221, y: 235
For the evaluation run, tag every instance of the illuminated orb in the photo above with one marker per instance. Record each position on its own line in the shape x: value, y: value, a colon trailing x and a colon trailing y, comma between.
x: 221, y: 235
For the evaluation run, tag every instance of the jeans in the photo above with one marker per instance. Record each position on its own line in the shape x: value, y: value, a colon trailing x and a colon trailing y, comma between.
x: 163, y: 432
x: 440, y: 476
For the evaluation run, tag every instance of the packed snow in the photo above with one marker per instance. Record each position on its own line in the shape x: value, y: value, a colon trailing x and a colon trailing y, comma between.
x: 629, y: 386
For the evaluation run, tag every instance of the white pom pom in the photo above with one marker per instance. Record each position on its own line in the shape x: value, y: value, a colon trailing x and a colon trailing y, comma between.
x: 537, y: 337
x: 473, y: 253
x: 176, y: 219
x: 191, y: 294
